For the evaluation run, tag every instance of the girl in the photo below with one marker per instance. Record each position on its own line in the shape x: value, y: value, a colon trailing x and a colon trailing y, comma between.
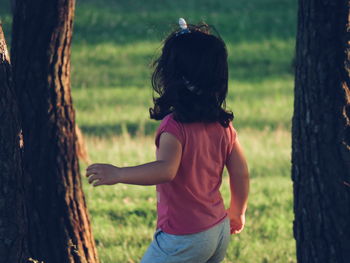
x: 194, y: 141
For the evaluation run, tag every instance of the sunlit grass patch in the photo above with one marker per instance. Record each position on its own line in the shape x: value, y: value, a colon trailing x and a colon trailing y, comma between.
x: 123, y: 233
x: 124, y: 216
x: 113, y: 111
x: 111, y: 64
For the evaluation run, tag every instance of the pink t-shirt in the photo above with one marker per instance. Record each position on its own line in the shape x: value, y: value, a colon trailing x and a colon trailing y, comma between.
x: 192, y: 202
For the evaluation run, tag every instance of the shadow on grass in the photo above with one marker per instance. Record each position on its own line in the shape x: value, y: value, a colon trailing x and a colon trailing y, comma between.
x: 131, y: 128
x: 131, y: 21
x: 124, y: 22
x: 149, y: 128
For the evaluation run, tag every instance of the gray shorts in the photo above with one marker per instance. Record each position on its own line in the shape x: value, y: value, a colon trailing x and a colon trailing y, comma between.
x: 208, y: 246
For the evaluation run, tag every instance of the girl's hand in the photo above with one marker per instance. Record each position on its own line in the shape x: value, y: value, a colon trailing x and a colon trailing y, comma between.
x: 103, y: 174
x: 237, y: 222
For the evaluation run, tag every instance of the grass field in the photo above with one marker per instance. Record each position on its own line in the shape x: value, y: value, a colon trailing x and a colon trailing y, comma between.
x: 114, y: 44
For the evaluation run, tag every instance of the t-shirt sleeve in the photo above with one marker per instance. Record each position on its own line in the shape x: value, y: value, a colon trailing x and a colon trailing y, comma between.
x: 169, y: 125
x: 232, y: 136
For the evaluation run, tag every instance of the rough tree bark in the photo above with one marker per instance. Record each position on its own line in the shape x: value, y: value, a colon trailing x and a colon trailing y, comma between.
x: 321, y: 133
x: 59, y: 224
x: 13, y: 224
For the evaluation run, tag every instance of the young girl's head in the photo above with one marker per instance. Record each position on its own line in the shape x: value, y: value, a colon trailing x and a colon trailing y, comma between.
x: 191, y: 77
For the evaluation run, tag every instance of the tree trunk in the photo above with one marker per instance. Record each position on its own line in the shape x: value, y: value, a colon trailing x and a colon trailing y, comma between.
x: 321, y: 133
x: 59, y: 224
x: 13, y: 246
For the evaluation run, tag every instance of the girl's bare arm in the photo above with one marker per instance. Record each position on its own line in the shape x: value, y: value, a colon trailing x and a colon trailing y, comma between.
x: 237, y: 167
x: 161, y: 171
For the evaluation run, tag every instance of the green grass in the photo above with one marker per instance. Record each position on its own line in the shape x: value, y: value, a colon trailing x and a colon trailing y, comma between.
x: 123, y: 216
x: 113, y: 47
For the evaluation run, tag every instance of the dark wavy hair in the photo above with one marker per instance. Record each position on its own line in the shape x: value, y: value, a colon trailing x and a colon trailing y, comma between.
x: 191, y: 78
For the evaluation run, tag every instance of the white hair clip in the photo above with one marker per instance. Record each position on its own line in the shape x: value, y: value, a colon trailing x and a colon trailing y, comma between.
x: 182, y: 23
x: 183, y: 26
